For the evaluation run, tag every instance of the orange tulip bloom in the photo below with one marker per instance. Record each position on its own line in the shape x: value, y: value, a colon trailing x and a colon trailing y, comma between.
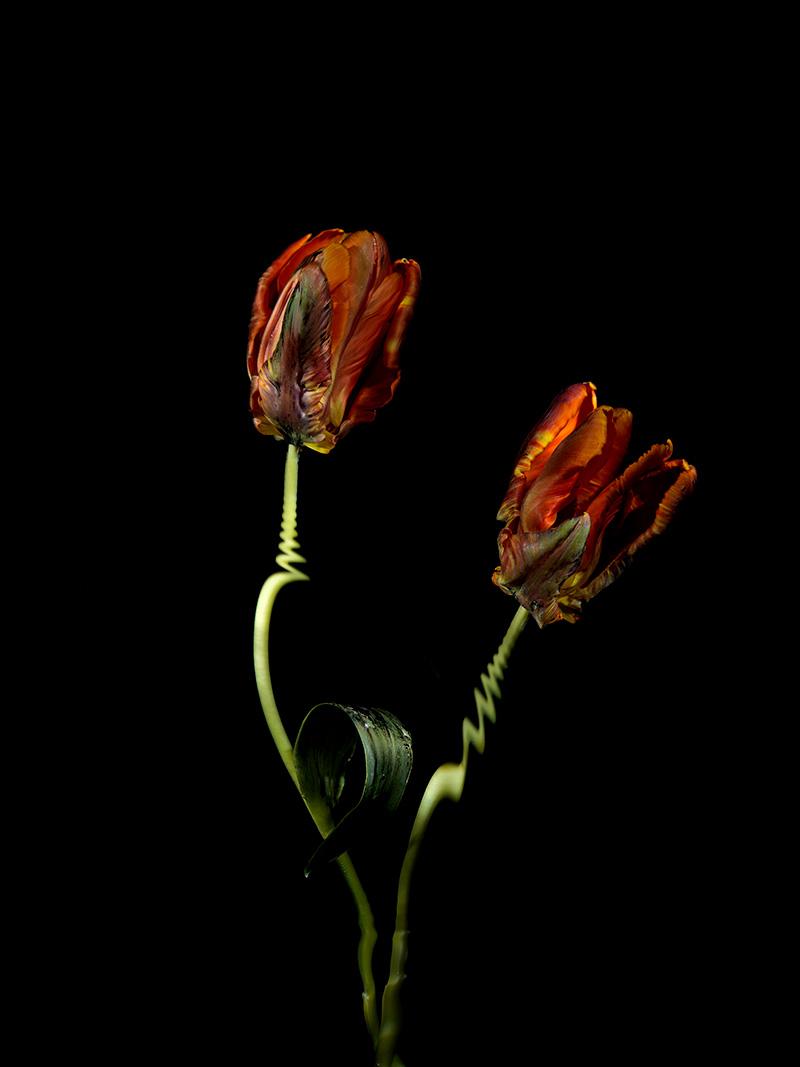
x: 570, y: 526
x: 328, y: 319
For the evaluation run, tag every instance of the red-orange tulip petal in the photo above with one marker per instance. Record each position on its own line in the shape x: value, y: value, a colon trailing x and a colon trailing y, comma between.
x: 578, y: 468
x: 296, y: 261
x: 269, y: 287
x: 262, y: 423
x: 604, y: 509
x: 372, y: 324
x: 354, y: 269
x: 295, y: 362
x: 380, y: 380
x: 598, y: 472
x: 650, y: 496
x: 410, y: 272
x: 568, y: 410
x: 265, y: 300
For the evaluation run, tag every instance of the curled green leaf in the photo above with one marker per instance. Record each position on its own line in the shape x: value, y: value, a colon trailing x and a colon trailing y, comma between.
x: 353, y: 764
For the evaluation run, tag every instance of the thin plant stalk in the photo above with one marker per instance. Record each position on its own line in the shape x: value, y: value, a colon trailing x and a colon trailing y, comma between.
x: 289, y: 560
x: 447, y: 782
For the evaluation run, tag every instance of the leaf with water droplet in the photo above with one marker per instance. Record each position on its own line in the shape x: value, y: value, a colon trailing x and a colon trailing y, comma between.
x: 353, y: 764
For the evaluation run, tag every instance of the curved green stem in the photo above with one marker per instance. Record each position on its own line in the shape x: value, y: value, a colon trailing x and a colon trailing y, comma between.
x: 288, y: 559
x: 447, y: 781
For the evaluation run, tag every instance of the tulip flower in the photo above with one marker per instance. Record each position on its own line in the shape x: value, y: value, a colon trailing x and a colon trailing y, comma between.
x: 328, y: 319
x: 572, y: 524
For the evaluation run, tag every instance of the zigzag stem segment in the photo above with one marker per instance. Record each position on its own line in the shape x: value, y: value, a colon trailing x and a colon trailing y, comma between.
x: 447, y: 782
x: 289, y: 559
x: 289, y: 546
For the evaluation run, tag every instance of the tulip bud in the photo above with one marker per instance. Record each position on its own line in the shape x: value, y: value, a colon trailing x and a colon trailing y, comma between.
x: 328, y: 319
x: 571, y: 526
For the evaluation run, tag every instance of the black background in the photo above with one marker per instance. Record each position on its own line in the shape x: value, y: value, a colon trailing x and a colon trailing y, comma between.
x: 601, y: 198
x: 573, y: 896
x: 577, y: 897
